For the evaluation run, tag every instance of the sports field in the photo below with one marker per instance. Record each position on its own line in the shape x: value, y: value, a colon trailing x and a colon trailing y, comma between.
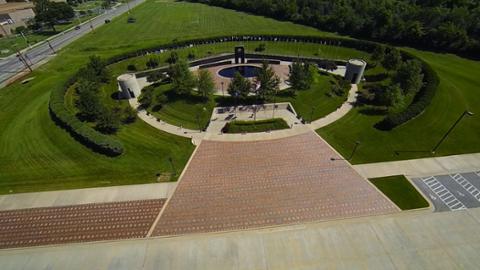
x: 37, y: 155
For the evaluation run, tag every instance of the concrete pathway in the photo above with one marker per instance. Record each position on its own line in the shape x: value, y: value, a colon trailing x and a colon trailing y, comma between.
x: 421, y: 167
x: 412, y: 240
x: 340, y: 112
x: 195, y: 135
x: 87, y: 195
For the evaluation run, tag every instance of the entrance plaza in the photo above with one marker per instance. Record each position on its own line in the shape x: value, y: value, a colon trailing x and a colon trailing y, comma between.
x: 245, y: 185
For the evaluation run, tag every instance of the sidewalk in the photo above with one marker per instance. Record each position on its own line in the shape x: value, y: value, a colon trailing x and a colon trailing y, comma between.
x: 87, y: 195
x: 421, y: 167
x: 340, y: 112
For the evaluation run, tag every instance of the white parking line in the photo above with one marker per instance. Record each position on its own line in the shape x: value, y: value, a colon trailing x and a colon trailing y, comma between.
x: 462, y: 181
x: 447, y: 197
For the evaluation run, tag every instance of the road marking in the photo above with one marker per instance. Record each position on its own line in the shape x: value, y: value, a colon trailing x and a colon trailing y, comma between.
x: 447, y: 198
x: 462, y: 181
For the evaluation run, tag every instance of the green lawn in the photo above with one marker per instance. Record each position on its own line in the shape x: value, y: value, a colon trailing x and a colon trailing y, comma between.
x: 37, y: 155
x: 238, y: 126
x: 458, y: 90
x: 400, y: 191
x: 191, y: 112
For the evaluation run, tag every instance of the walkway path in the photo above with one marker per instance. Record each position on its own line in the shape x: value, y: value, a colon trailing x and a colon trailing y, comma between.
x: 421, y: 167
x: 412, y: 240
x: 195, y: 135
x: 339, y: 113
x: 87, y: 195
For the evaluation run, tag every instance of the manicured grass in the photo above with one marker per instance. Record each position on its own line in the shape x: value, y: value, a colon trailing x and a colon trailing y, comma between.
x: 458, y: 91
x: 315, y: 98
x: 37, y: 155
x: 400, y: 191
x: 183, y: 111
x: 238, y: 126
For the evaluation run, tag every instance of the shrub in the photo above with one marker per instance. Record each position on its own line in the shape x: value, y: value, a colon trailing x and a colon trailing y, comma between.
x: 131, y: 67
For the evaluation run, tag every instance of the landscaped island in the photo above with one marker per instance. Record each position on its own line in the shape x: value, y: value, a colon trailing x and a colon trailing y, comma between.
x: 255, y: 126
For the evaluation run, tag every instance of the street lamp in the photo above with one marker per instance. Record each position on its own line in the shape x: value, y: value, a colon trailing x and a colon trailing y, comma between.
x: 357, y: 143
x: 51, y: 47
x: 173, y: 166
x: 223, y: 93
x: 465, y: 113
x: 311, y: 114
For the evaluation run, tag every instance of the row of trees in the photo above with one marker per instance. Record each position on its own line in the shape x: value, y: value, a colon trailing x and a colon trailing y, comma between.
x: 451, y: 25
x: 90, y: 108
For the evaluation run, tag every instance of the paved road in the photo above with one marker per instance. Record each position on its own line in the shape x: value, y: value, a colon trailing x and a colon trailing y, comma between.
x: 11, y: 66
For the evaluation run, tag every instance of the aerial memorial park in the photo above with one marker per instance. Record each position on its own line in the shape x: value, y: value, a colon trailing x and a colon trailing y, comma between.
x: 234, y: 134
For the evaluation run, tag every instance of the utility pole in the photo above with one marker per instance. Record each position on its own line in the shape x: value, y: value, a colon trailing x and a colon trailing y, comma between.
x: 22, y: 59
x: 51, y: 47
x: 465, y: 113
x: 25, y: 38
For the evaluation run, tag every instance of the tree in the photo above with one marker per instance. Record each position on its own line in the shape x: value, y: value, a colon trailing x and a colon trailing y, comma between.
x: 173, y: 58
x: 88, y: 102
x: 146, y: 98
x: 129, y: 115
x: 410, y: 77
x: 301, y: 76
x: 152, y: 63
x: 108, y: 120
x: 392, y: 59
x: 394, y: 97
x: 183, y: 80
x: 205, y: 82
x: 378, y: 54
x: 96, y: 70
x: 267, y: 79
x: 51, y: 12
x: 239, y: 86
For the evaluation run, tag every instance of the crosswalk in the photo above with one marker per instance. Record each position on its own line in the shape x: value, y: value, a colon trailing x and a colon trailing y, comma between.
x: 466, y: 185
x: 443, y: 193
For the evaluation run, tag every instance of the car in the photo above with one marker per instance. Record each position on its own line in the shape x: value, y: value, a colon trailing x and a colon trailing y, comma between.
x: 107, y: 21
x: 77, y: 27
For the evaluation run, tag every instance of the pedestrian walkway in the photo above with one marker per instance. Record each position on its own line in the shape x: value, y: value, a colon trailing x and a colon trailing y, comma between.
x: 86, y: 195
x: 421, y: 167
x: 195, y: 135
x: 340, y: 112
x: 412, y: 240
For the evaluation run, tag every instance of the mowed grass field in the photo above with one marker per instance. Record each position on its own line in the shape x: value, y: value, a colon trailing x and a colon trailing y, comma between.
x: 458, y: 90
x: 36, y: 155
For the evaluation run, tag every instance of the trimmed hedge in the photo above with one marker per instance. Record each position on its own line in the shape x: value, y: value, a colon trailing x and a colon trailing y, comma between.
x: 421, y: 101
x: 80, y: 131
x: 239, y: 126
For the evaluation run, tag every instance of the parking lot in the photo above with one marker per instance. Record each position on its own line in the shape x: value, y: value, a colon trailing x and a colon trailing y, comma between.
x: 451, y: 192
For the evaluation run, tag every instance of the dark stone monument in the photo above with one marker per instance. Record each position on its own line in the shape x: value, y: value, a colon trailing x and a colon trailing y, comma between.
x: 239, y: 55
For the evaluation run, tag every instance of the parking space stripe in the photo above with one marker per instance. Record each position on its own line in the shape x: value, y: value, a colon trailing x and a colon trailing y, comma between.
x: 462, y: 181
x: 447, y: 198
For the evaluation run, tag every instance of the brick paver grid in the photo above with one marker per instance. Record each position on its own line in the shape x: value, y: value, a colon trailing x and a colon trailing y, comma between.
x: 78, y: 223
x: 240, y: 185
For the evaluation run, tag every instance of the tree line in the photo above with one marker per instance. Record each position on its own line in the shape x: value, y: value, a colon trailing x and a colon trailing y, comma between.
x: 448, y: 25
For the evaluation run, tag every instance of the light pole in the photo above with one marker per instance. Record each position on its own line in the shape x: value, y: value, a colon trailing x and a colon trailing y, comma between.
x: 357, y: 143
x: 223, y: 93
x: 465, y: 113
x: 173, y: 166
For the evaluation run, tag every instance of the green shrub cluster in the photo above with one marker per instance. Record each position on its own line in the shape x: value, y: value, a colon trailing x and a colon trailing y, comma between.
x: 83, y: 133
x: 420, y: 102
x: 255, y: 126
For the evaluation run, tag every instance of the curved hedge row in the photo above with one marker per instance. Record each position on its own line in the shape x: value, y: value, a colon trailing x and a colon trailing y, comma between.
x: 111, y: 147
x: 421, y: 101
x: 86, y: 135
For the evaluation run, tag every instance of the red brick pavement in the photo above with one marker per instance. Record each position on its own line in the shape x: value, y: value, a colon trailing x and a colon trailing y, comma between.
x: 78, y: 223
x: 241, y: 185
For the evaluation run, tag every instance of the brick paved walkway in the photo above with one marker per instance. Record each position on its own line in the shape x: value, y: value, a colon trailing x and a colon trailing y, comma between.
x: 78, y: 223
x: 241, y: 185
